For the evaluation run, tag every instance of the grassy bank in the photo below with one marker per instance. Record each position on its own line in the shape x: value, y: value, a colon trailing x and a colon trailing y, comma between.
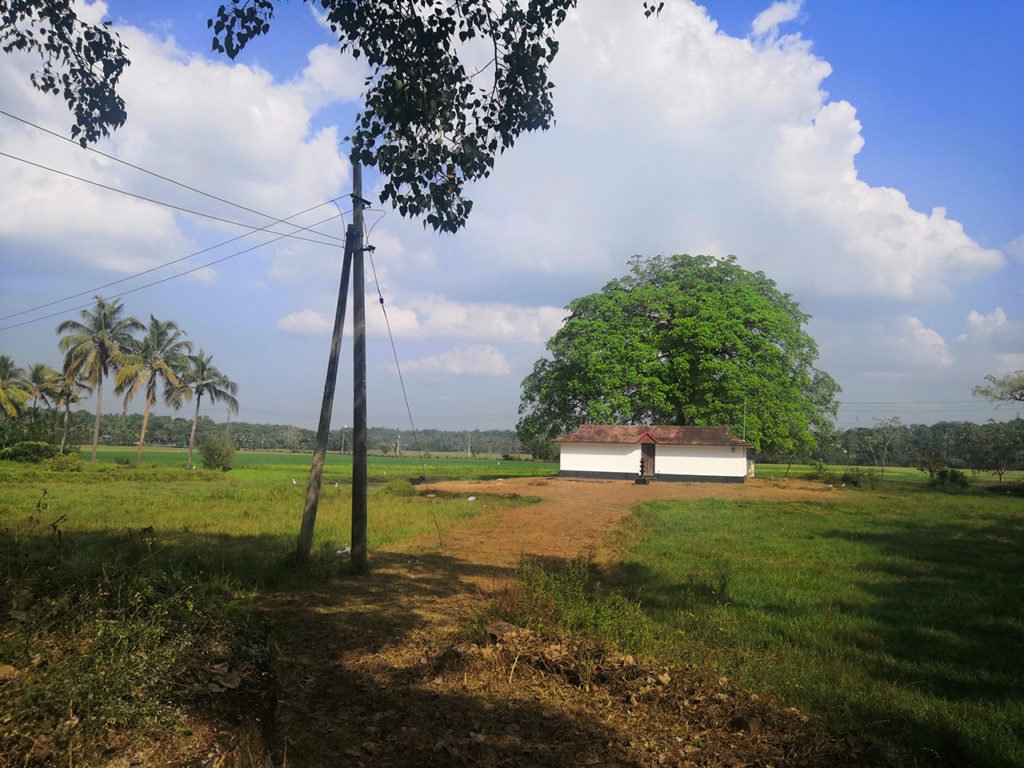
x: 899, y: 614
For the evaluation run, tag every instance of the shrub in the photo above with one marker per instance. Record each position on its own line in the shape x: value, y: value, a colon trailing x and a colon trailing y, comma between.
x: 397, y: 488
x: 543, y: 450
x: 70, y: 462
x: 858, y: 477
x: 950, y: 479
x: 218, y: 453
x: 820, y: 473
x: 32, y: 451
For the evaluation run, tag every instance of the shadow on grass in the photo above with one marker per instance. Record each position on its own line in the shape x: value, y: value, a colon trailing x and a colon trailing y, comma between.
x: 354, y: 659
x: 943, y: 619
x: 948, y: 616
x: 364, y: 681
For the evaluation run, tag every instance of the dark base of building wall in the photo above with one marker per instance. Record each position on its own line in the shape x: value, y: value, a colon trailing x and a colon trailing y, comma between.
x: 659, y: 478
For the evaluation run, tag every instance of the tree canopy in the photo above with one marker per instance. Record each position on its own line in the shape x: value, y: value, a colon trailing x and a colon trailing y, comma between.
x: 1007, y: 389
x: 687, y: 340
x: 450, y: 85
x: 82, y: 62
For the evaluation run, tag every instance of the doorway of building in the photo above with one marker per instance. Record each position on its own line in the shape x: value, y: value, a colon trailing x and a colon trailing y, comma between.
x: 647, y: 459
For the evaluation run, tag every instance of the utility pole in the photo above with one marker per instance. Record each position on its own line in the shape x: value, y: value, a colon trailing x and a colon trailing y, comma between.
x: 305, y: 542
x: 359, y: 438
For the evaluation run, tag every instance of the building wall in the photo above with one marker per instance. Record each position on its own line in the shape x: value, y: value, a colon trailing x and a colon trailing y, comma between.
x: 600, y: 457
x: 688, y: 462
x: 700, y: 460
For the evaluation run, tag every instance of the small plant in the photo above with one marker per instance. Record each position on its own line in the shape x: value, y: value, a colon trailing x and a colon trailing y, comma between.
x: 218, y: 453
x: 564, y: 601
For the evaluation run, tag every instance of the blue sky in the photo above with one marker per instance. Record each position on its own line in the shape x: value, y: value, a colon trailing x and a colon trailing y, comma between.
x: 866, y: 156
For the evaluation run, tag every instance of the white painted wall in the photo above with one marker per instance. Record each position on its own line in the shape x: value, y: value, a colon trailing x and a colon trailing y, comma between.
x: 600, y: 457
x: 703, y: 460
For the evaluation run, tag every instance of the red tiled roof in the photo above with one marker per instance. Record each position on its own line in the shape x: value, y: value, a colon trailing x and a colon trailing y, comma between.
x: 663, y: 435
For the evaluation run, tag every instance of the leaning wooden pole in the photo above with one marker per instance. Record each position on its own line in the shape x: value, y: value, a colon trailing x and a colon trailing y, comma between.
x: 305, y: 543
x: 359, y: 441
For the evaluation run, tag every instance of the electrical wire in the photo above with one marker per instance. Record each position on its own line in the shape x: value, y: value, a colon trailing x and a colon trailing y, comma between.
x: 162, y: 280
x: 179, y: 208
x: 159, y: 266
x: 398, y: 366
x: 154, y: 174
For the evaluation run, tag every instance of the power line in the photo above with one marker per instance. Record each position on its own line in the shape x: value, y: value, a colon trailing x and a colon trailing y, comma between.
x: 155, y: 174
x: 160, y: 281
x: 181, y: 209
x: 398, y: 367
x: 160, y: 266
x: 904, y: 402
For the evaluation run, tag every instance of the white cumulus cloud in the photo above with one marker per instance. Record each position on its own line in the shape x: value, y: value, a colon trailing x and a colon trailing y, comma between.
x: 985, y: 325
x: 767, y: 22
x: 472, y: 360
x: 306, y: 322
x: 723, y: 145
x: 434, y: 316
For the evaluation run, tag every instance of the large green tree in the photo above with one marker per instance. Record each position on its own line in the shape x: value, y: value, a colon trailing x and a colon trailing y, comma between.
x: 96, y: 346
x: 161, y: 355
x: 687, y: 340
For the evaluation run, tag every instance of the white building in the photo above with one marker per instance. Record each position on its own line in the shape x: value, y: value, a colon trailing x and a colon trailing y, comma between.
x: 649, y: 453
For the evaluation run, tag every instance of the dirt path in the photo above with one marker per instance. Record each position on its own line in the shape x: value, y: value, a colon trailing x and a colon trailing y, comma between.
x: 371, y: 671
x: 574, y: 515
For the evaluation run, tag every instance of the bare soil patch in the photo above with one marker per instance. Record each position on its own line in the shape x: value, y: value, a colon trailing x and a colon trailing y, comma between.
x: 373, y: 672
x: 573, y: 515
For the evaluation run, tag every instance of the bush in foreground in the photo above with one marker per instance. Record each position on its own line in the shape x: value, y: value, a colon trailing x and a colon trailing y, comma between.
x: 218, y: 453
x: 32, y: 451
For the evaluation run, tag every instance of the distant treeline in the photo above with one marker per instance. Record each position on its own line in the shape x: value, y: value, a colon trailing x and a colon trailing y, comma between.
x: 995, y: 447
x: 123, y: 429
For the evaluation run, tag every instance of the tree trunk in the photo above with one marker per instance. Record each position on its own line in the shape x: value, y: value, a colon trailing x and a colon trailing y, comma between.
x: 192, y: 436
x: 64, y: 434
x: 96, y: 426
x: 142, y: 432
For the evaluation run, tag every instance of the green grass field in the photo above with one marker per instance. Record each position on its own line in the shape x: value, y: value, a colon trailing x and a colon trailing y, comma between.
x: 896, y: 612
x: 337, y: 467
x: 899, y: 614
x: 243, y: 522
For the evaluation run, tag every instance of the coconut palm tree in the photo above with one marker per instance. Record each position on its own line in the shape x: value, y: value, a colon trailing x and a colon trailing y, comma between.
x: 70, y: 390
x: 41, y: 383
x: 96, y: 346
x: 12, y: 387
x: 203, y: 378
x: 160, y: 355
